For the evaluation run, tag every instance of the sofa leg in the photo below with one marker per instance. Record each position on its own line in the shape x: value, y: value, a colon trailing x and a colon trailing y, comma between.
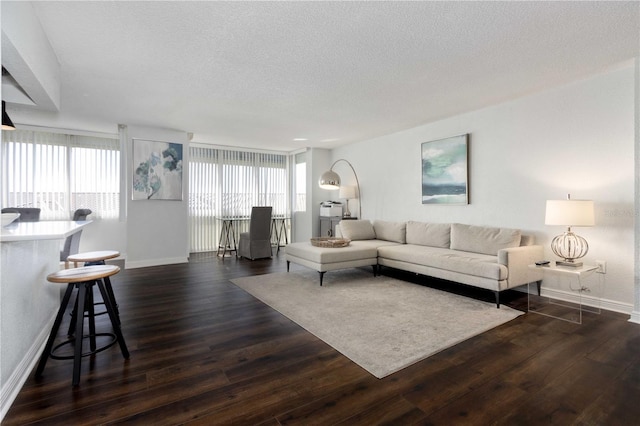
x: 288, y: 263
x: 539, y: 284
x: 375, y: 270
x: 321, y: 276
x: 497, y: 299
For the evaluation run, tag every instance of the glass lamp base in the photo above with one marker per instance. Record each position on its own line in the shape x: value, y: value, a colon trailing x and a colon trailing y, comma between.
x: 569, y: 247
x: 346, y: 213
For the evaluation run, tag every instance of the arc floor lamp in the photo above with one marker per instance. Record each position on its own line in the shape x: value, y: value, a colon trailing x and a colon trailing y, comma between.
x: 330, y: 180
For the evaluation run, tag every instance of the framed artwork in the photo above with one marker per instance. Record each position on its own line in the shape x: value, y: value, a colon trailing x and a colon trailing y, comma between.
x: 445, y: 171
x: 157, y: 170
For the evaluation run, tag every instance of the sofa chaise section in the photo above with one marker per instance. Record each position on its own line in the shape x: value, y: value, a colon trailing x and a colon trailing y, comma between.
x: 323, y: 259
x: 362, y: 251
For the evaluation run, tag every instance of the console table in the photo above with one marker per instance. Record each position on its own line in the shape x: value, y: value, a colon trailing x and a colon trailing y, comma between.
x: 571, y: 286
x: 229, y: 234
x: 279, y: 230
x: 227, y: 240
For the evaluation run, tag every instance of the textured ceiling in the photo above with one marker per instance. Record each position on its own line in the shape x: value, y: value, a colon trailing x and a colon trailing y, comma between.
x: 260, y: 74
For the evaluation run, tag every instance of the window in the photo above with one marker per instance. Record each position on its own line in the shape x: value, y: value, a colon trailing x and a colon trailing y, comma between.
x: 226, y: 183
x: 60, y: 173
x: 300, y: 182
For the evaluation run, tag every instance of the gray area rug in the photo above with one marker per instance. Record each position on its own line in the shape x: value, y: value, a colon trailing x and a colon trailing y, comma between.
x: 381, y: 324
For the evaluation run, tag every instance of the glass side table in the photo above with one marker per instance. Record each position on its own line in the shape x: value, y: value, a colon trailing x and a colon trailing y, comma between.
x: 564, y: 290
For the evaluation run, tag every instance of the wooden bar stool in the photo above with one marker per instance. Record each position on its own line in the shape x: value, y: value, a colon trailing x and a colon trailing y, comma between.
x: 95, y: 257
x: 83, y: 279
x: 91, y: 258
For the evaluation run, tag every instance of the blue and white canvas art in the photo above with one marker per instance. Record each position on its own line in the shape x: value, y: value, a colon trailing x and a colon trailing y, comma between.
x: 157, y: 170
x: 444, y: 171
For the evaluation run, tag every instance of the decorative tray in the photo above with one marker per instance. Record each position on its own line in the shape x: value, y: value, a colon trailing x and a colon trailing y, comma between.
x: 330, y: 242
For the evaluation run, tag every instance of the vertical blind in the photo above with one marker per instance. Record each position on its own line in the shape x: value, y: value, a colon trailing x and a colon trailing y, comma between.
x: 224, y: 183
x: 60, y: 173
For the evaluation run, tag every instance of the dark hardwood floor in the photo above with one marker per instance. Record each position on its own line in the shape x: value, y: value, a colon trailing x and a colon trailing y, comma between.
x: 205, y: 352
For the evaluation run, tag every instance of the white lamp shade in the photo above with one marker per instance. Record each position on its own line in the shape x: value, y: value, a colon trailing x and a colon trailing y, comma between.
x: 569, y: 213
x: 347, y: 192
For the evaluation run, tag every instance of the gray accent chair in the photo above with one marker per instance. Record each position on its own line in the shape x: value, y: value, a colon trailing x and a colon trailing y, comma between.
x: 256, y: 244
x: 27, y: 214
x: 72, y: 242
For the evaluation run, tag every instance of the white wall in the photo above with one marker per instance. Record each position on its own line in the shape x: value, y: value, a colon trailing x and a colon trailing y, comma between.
x: 157, y: 230
x: 104, y: 234
x: 576, y: 139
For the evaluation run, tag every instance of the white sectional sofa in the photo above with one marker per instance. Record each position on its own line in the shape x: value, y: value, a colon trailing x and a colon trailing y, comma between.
x: 492, y: 258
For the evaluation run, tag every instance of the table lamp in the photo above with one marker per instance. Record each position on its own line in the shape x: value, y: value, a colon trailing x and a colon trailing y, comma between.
x: 569, y: 246
x: 347, y: 192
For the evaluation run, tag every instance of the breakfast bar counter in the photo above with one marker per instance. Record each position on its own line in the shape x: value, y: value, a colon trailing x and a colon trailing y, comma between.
x: 28, y: 303
x: 42, y: 230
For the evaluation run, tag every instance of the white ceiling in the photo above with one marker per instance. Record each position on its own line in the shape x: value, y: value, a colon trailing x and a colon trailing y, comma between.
x: 260, y: 74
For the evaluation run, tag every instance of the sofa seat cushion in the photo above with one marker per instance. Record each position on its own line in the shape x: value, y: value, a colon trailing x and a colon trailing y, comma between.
x: 373, y: 243
x: 315, y: 254
x: 476, y: 264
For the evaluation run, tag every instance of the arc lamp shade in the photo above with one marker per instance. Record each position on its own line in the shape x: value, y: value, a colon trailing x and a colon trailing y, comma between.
x: 329, y: 180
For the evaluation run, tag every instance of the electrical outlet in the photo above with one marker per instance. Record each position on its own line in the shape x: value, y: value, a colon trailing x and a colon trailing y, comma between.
x: 602, y: 266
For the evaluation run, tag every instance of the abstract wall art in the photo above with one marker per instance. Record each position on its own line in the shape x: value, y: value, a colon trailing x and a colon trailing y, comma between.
x: 445, y: 171
x: 157, y: 170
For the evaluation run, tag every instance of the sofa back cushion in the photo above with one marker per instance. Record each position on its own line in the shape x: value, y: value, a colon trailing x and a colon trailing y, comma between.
x: 483, y: 239
x: 390, y: 231
x: 429, y: 234
x: 357, y: 230
x: 527, y: 240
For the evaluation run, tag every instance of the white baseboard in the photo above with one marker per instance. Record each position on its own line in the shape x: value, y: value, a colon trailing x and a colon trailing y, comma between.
x: 153, y: 262
x: 594, y: 302
x: 14, y: 383
x: 635, y: 317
